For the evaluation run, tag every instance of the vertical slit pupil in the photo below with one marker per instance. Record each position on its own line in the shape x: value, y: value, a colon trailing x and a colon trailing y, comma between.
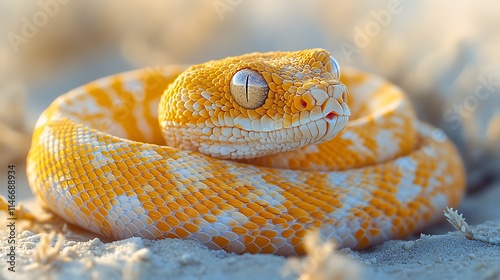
x: 246, y: 87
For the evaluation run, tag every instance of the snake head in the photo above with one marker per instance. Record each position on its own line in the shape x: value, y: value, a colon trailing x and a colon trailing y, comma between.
x: 256, y: 104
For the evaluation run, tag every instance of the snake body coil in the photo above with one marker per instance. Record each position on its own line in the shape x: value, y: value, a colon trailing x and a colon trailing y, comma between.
x: 251, y: 153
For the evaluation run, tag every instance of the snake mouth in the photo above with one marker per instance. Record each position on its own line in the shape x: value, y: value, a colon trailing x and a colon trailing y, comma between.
x: 331, y: 115
x: 246, y: 144
x: 312, y: 132
x: 335, y: 124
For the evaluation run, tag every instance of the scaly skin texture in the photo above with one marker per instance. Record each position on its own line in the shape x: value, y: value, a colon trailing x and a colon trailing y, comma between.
x: 100, y: 161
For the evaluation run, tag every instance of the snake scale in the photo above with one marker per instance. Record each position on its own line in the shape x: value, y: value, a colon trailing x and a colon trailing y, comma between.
x: 245, y: 154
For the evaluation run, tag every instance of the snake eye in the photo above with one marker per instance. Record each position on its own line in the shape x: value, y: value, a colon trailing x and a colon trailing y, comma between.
x: 249, y: 89
x: 335, y: 68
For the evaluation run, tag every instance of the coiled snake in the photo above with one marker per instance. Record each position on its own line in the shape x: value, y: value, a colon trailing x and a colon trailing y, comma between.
x: 244, y: 157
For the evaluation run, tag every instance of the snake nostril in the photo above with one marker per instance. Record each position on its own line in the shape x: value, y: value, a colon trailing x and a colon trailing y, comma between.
x: 303, y: 103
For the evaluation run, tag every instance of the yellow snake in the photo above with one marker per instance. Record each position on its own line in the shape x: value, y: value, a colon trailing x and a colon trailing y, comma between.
x: 240, y: 154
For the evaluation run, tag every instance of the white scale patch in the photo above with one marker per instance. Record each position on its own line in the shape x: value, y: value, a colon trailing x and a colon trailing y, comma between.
x: 137, y: 88
x: 363, y: 91
x: 440, y: 201
x: 148, y: 153
x: 55, y: 143
x: 354, y: 195
x: 357, y: 143
x: 84, y: 104
x: 338, y: 178
x: 127, y: 215
x: 265, y: 191
x: 386, y: 143
x: 312, y: 149
x: 407, y: 191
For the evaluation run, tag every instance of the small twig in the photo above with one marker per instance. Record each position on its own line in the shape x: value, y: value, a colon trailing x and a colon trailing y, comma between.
x: 323, y: 261
x: 46, y: 257
x: 458, y: 222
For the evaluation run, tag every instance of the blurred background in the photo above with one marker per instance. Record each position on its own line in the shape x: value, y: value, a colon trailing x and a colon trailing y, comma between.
x: 445, y: 54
